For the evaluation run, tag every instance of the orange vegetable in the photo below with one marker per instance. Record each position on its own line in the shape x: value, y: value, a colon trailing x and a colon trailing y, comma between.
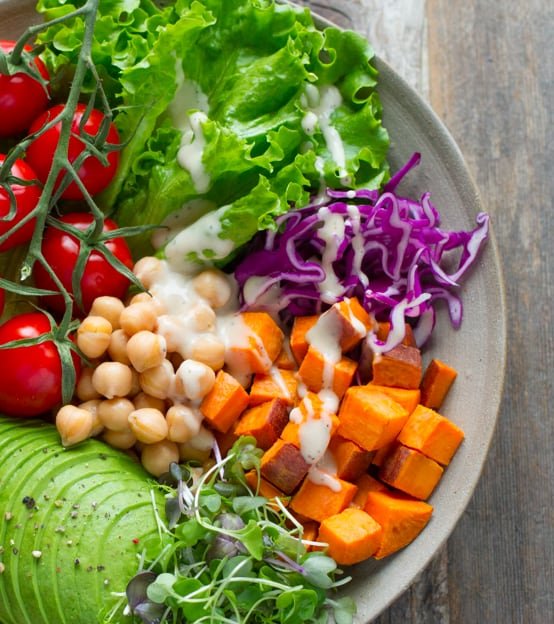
x: 312, y: 372
x: 351, y: 460
x: 436, y: 383
x: 263, y: 343
x: 410, y: 472
x: 381, y: 454
x: 369, y: 418
x: 432, y: 434
x: 384, y: 329
x: 285, y: 360
x: 224, y: 403
x: 351, y: 320
x: 265, y: 422
x: 352, y: 536
x: 311, y: 529
x: 401, y: 517
x: 226, y: 440
x: 300, y: 327
x: 318, y: 502
x: 409, y: 399
x: 283, y: 466
x: 264, y: 488
x: 400, y: 367
x: 366, y: 484
x: 278, y: 384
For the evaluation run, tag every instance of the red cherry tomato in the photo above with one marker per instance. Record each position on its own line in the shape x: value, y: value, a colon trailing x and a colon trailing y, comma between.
x: 94, y: 175
x: 31, y: 379
x: 100, y: 278
x: 22, y: 98
x: 26, y: 198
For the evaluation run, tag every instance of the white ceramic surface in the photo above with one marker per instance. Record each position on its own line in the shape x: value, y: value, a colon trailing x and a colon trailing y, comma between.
x: 477, y: 350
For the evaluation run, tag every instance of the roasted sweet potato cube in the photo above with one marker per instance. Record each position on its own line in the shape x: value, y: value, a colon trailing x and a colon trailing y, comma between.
x: 351, y: 321
x: 401, y: 517
x: 283, y: 466
x: 366, y: 484
x: 352, y: 536
x: 265, y: 422
x: 265, y: 488
x: 318, y: 502
x: 370, y: 419
x: 432, y: 434
x: 409, y: 399
x: 383, y: 331
x: 315, y: 370
x: 381, y: 454
x: 400, y: 367
x: 436, y: 382
x: 410, y: 472
x: 285, y: 359
x: 224, y: 403
x: 259, y: 342
x: 311, y: 529
x: 277, y: 384
x: 351, y: 460
x: 298, y: 342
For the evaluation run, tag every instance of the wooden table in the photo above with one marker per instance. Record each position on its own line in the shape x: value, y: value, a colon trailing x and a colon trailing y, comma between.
x: 487, y: 69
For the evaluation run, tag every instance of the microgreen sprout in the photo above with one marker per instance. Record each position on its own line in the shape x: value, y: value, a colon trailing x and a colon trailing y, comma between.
x: 230, y: 555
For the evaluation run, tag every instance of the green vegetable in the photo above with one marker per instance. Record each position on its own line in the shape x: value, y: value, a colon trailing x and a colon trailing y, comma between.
x: 252, y: 63
x: 73, y: 523
x: 230, y: 556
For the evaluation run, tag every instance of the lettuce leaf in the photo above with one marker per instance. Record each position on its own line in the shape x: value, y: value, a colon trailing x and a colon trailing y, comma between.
x: 251, y: 61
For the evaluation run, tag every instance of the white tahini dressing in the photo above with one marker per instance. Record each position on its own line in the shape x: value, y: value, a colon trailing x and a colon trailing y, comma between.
x: 332, y: 233
x: 191, y: 153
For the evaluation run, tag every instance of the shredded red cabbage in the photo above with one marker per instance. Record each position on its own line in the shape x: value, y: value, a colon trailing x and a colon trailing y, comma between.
x: 387, y: 250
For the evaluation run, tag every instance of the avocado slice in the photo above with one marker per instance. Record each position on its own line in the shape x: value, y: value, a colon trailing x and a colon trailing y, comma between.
x: 72, y: 525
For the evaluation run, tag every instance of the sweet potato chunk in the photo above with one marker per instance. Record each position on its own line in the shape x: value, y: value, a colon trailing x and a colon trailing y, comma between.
x: 351, y: 320
x: 283, y: 466
x: 278, y: 384
x: 431, y: 434
x: 381, y: 454
x: 409, y: 399
x: 318, y: 502
x: 314, y: 371
x: 366, y: 484
x: 265, y: 422
x: 259, y: 347
x: 410, y: 472
x: 224, y: 403
x: 311, y: 529
x: 400, y: 367
x: 300, y: 327
x: 436, y: 382
x: 285, y: 359
x: 401, y: 517
x: 384, y: 329
x: 369, y: 418
x: 352, y: 535
x: 265, y: 488
x: 351, y: 460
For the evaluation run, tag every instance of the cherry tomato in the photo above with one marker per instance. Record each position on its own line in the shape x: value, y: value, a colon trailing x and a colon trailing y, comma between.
x: 100, y: 278
x: 22, y: 98
x: 26, y: 198
x: 94, y: 175
x: 31, y: 380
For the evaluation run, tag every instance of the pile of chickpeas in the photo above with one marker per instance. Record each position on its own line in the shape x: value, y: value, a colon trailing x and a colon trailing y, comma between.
x: 147, y: 380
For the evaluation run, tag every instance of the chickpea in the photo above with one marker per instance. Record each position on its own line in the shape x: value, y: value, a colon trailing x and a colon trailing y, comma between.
x: 112, y: 379
x: 213, y: 286
x: 183, y: 423
x: 85, y: 390
x: 114, y: 413
x: 145, y: 297
x: 138, y: 317
x: 208, y: 349
x: 92, y: 407
x: 158, y: 381
x: 148, y: 425
x: 148, y: 270
x: 123, y: 440
x: 93, y: 336
x: 117, y: 349
x: 135, y: 384
x: 146, y: 400
x: 74, y: 424
x: 109, y: 308
x: 202, y: 318
x: 198, y: 448
x: 172, y: 328
x: 194, y: 380
x: 156, y: 458
x: 146, y: 350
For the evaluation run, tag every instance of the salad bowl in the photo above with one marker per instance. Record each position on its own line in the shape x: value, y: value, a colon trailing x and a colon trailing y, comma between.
x: 476, y: 350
